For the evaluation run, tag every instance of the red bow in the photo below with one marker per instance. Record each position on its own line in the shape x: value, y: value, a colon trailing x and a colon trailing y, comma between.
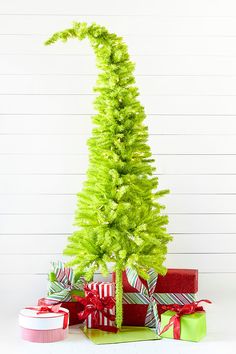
x: 52, y: 309
x: 94, y: 305
x: 181, y: 310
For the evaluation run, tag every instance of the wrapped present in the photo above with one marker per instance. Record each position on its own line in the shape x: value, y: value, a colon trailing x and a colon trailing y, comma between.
x: 61, y: 288
x: 186, y: 322
x: 73, y: 307
x: 142, y: 299
x: 63, y: 284
x: 44, y: 324
x: 99, y: 306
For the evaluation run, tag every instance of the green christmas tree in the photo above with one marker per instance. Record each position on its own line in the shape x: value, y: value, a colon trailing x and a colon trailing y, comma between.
x: 118, y: 216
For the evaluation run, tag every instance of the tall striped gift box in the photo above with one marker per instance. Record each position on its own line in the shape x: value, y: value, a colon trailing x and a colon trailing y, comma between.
x: 142, y: 299
x: 104, y: 289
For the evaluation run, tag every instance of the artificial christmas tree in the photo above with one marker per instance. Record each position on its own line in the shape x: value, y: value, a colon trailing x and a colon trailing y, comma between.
x: 118, y: 216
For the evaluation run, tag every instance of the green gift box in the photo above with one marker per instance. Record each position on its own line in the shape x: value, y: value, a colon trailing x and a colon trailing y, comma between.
x: 192, y: 326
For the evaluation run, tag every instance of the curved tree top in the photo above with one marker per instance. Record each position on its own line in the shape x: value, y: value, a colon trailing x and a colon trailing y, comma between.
x: 118, y: 217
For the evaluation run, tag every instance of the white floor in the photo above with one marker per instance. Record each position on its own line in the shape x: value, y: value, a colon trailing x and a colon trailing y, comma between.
x: 222, y: 342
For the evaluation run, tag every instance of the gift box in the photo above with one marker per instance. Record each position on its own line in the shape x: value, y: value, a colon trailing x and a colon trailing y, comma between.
x: 44, y: 324
x: 73, y: 307
x: 187, y: 322
x: 62, y: 286
x: 99, y: 306
x: 142, y: 299
x: 104, y: 290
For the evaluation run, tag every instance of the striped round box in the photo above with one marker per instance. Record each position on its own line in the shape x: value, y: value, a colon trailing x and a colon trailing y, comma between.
x: 43, y: 327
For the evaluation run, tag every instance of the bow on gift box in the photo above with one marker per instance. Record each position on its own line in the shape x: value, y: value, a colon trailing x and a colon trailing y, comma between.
x: 62, y: 282
x: 52, y: 309
x: 181, y: 310
x: 96, y: 305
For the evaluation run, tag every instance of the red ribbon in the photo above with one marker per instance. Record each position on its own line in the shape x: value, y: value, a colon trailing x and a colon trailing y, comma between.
x: 181, y: 310
x: 94, y: 305
x: 52, y: 309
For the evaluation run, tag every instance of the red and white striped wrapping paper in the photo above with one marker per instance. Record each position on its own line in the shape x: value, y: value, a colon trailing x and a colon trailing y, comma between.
x: 104, y: 289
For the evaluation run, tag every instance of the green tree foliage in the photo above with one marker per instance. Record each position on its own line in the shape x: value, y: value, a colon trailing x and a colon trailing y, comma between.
x: 118, y: 217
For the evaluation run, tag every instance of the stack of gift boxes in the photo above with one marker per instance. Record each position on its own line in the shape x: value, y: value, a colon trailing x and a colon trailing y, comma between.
x: 167, y: 304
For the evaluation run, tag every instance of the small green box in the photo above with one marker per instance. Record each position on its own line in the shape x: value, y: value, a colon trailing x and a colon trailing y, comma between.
x: 192, y: 327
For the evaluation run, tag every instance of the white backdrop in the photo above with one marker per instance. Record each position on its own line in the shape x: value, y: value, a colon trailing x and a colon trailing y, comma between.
x: 186, y: 72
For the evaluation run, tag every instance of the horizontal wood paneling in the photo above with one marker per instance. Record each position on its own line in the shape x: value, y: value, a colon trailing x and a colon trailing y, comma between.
x: 72, y: 184
x: 151, y: 45
x: 83, y: 104
x: 36, y: 288
x: 66, y: 204
x: 77, y: 164
x: 124, y: 25
x: 31, y: 264
x: 54, y: 244
x: 76, y: 144
x: 132, y: 8
x: 145, y: 65
x: 148, y: 85
x: 56, y: 224
x: 185, y: 68
x: 77, y: 124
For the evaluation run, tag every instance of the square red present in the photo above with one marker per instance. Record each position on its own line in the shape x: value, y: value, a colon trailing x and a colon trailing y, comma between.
x: 177, y: 286
x: 103, y: 289
x: 73, y: 307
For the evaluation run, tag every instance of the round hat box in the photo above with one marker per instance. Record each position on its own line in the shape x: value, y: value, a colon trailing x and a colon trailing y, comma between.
x: 44, y: 324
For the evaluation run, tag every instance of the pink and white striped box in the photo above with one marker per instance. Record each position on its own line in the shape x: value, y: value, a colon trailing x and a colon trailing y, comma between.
x: 42, y: 326
x: 104, y: 289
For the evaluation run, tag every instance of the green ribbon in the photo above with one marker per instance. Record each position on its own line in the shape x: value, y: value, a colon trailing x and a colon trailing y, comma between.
x: 62, y: 283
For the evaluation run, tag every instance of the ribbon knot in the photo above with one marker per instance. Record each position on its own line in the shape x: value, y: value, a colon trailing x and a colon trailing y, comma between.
x: 52, y: 309
x: 62, y: 282
x: 44, y: 309
x: 181, y: 310
x: 94, y: 305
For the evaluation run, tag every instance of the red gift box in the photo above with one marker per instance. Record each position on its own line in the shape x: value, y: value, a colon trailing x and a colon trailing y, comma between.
x: 73, y: 307
x: 177, y: 286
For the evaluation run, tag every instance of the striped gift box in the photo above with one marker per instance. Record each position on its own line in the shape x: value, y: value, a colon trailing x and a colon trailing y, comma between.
x: 104, y: 289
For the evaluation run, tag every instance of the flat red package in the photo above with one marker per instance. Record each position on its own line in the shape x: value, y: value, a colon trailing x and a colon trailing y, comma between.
x: 177, y: 286
x: 73, y: 307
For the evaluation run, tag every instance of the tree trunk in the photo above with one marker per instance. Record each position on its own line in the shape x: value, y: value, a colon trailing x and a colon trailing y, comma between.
x: 119, y: 293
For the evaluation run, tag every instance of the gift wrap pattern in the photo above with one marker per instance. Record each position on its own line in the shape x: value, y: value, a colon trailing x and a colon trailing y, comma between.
x: 60, y: 288
x: 104, y: 289
x: 62, y: 284
x: 146, y: 295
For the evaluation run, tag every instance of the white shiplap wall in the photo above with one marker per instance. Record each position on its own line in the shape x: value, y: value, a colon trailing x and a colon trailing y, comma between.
x: 186, y: 72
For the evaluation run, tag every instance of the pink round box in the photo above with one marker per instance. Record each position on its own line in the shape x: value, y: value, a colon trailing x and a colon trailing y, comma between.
x: 44, y: 324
